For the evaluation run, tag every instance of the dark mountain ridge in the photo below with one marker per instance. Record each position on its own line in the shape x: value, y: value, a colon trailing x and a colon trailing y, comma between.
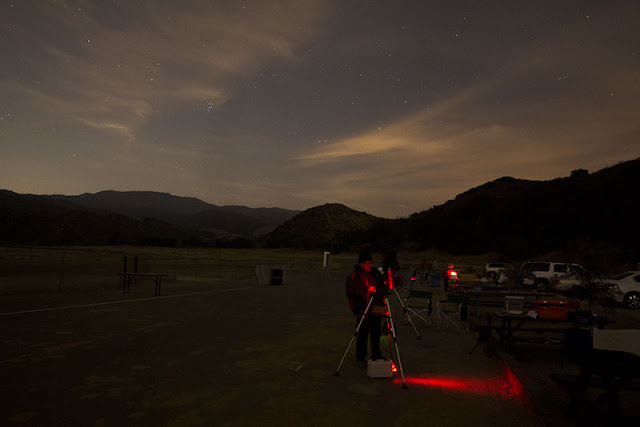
x: 583, y: 214
x: 586, y: 218
x: 224, y: 221
x: 530, y: 218
x: 140, y: 204
x: 42, y: 220
x: 132, y: 218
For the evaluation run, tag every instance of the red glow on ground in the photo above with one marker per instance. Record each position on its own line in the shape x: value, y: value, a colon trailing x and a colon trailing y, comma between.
x: 505, y: 386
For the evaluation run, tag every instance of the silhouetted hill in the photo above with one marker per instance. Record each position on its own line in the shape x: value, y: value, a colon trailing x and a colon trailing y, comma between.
x: 590, y: 218
x: 225, y: 221
x: 331, y: 226
x: 41, y: 220
x: 584, y: 216
x: 141, y: 204
x: 529, y: 218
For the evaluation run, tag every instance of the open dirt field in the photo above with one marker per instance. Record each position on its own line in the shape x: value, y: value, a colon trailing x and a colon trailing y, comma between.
x: 215, y: 349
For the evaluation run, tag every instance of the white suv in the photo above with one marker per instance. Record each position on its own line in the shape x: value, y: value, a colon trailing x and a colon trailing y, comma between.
x: 538, y: 274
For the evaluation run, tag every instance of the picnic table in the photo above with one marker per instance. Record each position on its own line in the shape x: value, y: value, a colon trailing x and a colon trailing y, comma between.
x: 490, y: 299
x: 537, y: 330
x: 611, y: 362
x: 523, y: 327
x: 128, y: 278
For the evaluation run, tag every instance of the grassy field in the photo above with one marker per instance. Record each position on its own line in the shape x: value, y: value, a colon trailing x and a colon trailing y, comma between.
x: 214, y: 342
x: 214, y: 349
x: 46, y: 269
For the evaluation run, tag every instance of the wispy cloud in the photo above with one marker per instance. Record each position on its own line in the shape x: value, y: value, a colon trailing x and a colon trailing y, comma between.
x: 131, y: 65
x: 415, y: 102
x: 112, y: 127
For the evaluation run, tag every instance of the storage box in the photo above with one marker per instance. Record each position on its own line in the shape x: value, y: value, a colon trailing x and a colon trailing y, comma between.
x: 379, y: 369
x: 552, y: 309
x: 513, y: 304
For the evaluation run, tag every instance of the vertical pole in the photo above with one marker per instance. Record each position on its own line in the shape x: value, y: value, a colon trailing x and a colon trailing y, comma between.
x: 124, y: 275
x: 61, y: 271
x: 135, y: 265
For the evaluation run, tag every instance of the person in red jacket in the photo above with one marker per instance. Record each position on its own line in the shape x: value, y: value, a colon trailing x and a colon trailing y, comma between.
x: 364, y: 283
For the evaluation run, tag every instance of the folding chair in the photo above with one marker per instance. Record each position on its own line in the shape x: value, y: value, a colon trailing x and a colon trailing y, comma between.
x: 418, y: 304
x: 419, y: 279
x: 453, y: 311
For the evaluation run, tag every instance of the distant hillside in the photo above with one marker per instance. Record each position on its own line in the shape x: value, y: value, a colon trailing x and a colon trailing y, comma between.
x: 331, y: 226
x: 225, y: 221
x: 140, y: 204
x: 529, y: 218
x: 586, y: 217
x: 131, y: 218
x: 40, y: 220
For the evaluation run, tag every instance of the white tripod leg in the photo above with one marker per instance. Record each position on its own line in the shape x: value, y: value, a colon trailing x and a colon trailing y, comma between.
x: 404, y: 310
x: 355, y: 334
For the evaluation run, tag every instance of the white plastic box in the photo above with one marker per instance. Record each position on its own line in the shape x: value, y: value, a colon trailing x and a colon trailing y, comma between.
x: 379, y: 369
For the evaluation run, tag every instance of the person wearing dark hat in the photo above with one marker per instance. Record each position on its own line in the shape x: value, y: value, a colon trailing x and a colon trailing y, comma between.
x: 364, y: 283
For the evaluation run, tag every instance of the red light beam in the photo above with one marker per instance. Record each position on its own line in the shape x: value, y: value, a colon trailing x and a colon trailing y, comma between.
x: 505, y: 386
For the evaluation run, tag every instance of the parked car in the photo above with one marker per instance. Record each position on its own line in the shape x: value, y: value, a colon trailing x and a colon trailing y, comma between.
x: 497, y: 267
x: 494, y: 270
x: 539, y: 273
x: 575, y: 282
x: 626, y: 287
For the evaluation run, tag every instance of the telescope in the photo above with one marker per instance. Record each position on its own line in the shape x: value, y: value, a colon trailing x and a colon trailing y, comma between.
x: 387, y: 368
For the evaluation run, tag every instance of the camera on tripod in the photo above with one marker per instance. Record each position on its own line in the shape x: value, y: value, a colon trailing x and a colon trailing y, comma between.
x: 378, y: 295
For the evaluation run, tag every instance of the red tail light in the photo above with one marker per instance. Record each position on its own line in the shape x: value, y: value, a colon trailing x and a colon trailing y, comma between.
x: 451, y: 273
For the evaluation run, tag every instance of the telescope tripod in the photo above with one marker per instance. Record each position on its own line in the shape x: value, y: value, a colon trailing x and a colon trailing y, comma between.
x: 406, y: 314
x: 392, y: 330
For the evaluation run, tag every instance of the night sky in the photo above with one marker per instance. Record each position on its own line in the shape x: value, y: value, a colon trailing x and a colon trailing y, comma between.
x: 386, y: 107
